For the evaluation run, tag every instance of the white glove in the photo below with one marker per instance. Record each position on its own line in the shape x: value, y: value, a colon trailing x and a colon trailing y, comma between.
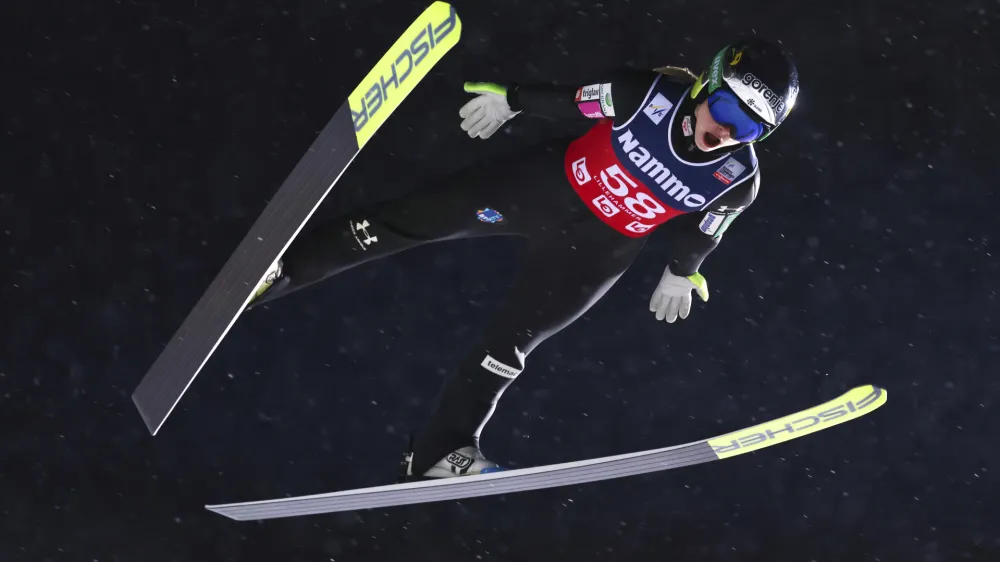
x: 672, y: 297
x: 485, y: 113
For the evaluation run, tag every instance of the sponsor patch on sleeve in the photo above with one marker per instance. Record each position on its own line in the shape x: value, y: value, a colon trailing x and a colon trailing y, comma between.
x: 591, y: 109
x: 588, y: 93
x: 715, y: 224
x: 607, y: 104
x: 711, y: 223
x: 595, y: 101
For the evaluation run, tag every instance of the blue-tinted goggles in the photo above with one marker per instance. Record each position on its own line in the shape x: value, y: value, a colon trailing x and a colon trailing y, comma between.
x: 725, y: 109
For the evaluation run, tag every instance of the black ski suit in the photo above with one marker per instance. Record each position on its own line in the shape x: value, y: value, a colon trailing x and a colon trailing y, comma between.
x: 573, y: 258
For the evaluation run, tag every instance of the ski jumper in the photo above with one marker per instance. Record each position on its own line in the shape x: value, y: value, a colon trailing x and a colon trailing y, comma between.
x: 584, y: 207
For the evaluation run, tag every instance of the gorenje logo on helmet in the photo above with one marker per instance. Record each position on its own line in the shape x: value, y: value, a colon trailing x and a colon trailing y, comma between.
x: 752, y: 90
x: 776, y: 102
x: 758, y: 96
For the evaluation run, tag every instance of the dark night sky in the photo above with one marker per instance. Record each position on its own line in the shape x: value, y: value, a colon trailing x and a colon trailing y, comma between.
x: 141, y: 139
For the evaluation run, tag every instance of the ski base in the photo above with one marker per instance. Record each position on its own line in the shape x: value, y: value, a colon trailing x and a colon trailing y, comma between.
x: 385, y: 87
x: 851, y: 405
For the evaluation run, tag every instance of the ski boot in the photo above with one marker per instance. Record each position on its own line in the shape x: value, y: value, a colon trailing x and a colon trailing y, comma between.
x: 465, y: 461
x: 272, y: 283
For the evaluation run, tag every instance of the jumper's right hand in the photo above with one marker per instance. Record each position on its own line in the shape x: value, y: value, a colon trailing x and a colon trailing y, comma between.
x: 487, y: 112
x: 672, y: 297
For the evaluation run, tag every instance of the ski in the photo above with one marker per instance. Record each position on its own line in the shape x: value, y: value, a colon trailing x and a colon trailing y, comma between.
x: 851, y: 405
x: 405, y: 64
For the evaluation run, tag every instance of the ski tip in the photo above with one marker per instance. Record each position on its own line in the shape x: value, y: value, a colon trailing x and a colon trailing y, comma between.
x: 876, y: 394
x: 144, y: 414
x: 421, y: 46
x: 222, y: 512
x: 851, y: 405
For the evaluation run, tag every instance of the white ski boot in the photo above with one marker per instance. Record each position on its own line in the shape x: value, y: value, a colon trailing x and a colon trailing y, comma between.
x: 466, y: 461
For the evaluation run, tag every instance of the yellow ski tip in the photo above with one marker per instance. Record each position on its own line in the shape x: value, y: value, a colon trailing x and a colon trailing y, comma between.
x: 403, y: 66
x: 849, y: 406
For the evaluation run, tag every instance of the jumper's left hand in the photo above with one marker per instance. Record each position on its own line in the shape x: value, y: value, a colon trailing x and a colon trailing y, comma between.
x: 487, y: 112
x: 672, y: 297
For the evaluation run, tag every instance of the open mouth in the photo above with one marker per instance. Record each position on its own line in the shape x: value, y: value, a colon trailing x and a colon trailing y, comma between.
x: 710, y: 140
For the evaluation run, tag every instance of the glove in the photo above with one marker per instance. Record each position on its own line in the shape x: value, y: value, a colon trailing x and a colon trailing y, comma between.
x: 672, y: 297
x: 485, y: 113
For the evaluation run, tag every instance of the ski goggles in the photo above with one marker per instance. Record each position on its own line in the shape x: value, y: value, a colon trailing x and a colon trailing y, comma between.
x: 725, y: 109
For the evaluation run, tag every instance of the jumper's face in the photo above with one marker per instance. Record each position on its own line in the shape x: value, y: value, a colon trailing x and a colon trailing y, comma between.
x: 709, y: 134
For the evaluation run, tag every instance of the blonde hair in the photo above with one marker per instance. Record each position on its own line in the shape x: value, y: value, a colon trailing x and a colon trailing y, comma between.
x: 679, y: 72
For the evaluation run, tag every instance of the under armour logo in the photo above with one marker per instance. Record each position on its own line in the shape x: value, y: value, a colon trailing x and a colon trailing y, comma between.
x: 363, y: 228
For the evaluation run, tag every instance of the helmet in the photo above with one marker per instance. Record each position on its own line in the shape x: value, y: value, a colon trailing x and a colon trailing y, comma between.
x: 751, y: 86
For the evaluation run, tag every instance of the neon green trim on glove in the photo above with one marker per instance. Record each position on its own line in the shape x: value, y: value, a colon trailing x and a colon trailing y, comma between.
x: 485, y: 88
x: 700, y: 284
